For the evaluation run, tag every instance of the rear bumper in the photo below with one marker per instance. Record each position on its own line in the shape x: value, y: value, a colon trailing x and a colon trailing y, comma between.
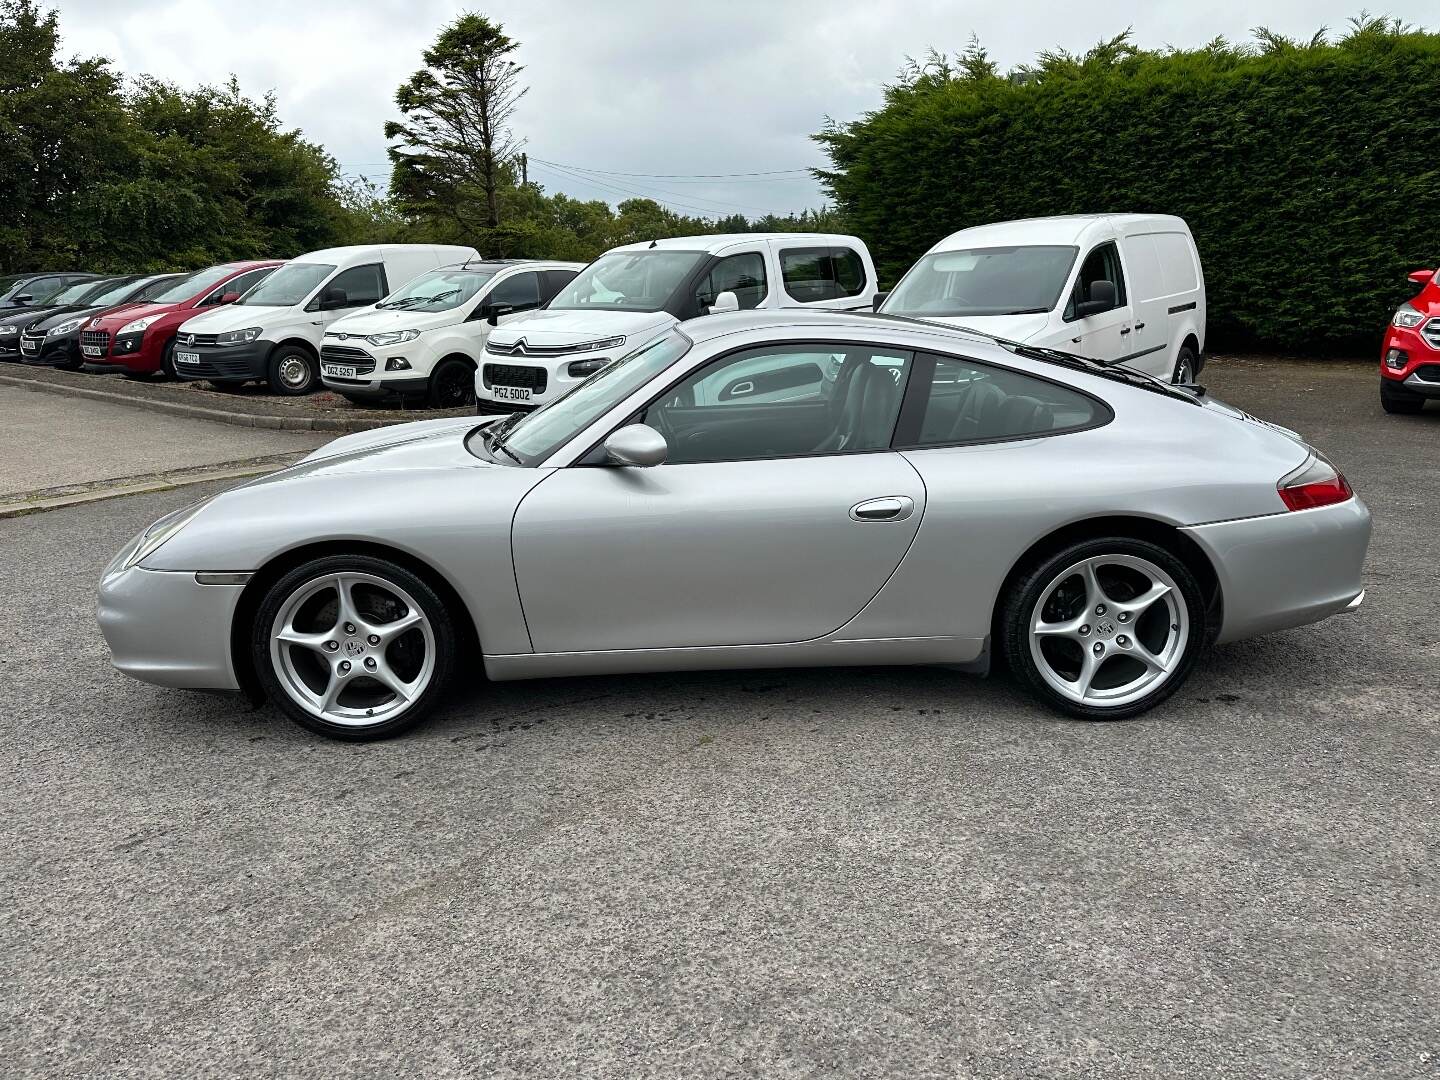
x: 164, y: 627
x: 231, y: 363
x: 1288, y: 569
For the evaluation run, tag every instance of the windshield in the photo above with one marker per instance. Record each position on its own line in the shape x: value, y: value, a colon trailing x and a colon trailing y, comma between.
x: 161, y: 285
x: 288, y: 285
x: 195, y: 283
x: 439, y: 290
x: 113, y: 295
x: 983, y: 281
x: 79, y: 292
x: 628, y: 281
x: 529, y: 438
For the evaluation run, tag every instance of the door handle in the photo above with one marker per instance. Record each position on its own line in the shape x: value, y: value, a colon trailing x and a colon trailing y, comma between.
x: 1139, y: 326
x: 890, y: 508
x: 1125, y: 331
x: 1076, y: 340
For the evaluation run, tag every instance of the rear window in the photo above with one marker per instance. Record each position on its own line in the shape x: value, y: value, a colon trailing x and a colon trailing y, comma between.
x: 822, y: 273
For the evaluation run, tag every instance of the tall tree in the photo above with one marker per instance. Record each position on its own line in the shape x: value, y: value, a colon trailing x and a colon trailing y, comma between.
x: 455, y: 147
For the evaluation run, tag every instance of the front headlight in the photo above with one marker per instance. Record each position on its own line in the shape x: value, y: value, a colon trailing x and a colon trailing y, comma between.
x: 392, y: 337
x: 64, y: 328
x: 139, y: 326
x: 9, y: 330
x: 1407, y: 318
x: 239, y: 337
x: 153, y: 538
x: 603, y: 343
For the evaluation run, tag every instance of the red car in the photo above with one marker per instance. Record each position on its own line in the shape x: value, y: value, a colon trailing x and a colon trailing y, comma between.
x: 1410, y: 358
x: 140, y: 339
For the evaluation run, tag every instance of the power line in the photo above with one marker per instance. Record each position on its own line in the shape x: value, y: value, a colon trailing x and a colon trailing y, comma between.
x: 715, y: 206
x: 672, y: 176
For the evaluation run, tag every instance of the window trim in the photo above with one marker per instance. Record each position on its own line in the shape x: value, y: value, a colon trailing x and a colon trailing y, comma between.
x: 781, y: 252
x: 693, y: 301
x: 914, y: 413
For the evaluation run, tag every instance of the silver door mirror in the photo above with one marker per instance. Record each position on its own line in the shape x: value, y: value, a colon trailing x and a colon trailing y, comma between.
x: 725, y: 301
x: 637, y: 444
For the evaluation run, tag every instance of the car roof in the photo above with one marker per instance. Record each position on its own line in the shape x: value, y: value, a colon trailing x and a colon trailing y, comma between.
x: 1065, y: 229
x: 717, y: 242
x: 505, y: 264
x: 827, y: 323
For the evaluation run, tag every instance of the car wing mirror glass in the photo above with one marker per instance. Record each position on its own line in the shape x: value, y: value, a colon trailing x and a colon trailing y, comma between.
x: 636, y: 444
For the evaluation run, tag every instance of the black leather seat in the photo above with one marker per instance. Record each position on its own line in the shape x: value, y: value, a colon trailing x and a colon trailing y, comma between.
x: 867, y: 411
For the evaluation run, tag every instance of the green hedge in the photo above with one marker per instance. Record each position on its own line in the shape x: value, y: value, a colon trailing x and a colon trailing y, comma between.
x: 1308, y: 172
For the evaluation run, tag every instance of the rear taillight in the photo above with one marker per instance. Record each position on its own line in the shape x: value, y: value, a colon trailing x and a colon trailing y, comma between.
x: 1316, y: 483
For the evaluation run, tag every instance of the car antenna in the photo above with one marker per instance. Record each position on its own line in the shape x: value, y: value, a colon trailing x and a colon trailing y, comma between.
x: 653, y: 243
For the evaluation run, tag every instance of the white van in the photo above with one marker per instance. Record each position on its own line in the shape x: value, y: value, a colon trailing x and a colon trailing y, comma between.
x: 1120, y: 288
x: 633, y: 294
x: 425, y: 339
x: 273, y: 332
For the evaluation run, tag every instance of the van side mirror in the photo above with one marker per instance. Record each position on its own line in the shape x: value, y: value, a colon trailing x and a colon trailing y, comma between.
x: 725, y: 301
x: 1103, y: 297
x: 332, y: 298
x: 1422, y: 277
x: 636, y: 444
x: 878, y: 300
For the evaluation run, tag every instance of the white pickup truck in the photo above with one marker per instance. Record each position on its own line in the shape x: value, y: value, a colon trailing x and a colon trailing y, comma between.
x: 633, y: 294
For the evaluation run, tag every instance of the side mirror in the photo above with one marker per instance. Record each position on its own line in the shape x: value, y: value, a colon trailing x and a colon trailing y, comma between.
x: 23, y: 298
x: 637, y: 444
x: 725, y: 301
x: 1422, y: 277
x: 493, y: 312
x: 1103, y: 297
x: 333, y: 298
x: 228, y: 298
x: 878, y: 300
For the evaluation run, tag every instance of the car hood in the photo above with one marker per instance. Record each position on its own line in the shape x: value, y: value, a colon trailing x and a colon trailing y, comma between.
x: 374, y: 321
x: 60, y: 315
x: 117, y: 317
x: 577, y: 327
x: 1011, y: 327
x: 424, y: 444
x: 233, y: 317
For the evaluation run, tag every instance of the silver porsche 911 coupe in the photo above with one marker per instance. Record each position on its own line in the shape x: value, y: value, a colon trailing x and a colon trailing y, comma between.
x: 755, y: 490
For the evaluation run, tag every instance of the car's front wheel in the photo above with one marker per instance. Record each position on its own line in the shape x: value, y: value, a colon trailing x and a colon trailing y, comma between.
x: 293, y: 371
x: 1106, y: 628
x: 1396, y: 399
x: 452, y: 385
x: 353, y: 647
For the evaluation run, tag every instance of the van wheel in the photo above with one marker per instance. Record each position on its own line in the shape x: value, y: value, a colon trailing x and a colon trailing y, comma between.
x: 452, y: 385
x: 1187, y: 366
x: 292, y: 371
x: 1397, y: 400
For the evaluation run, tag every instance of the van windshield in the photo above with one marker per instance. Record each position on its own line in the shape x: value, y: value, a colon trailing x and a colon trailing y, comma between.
x: 628, y: 281
x: 983, y: 281
x: 439, y: 290
x: 288, y: 285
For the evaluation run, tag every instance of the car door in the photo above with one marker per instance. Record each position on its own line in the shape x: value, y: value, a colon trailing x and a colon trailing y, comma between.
x: 743, y: 273
x: 1149, y: 349
x: 1105, y: 335
x: 773, y: 521
x: 350, y: 290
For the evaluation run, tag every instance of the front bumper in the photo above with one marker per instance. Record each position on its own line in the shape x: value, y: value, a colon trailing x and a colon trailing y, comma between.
x: 226, y: 363
x: 1408, y: 358
x: 164, y: 627
x: 1288, y: 569
x: 50, y: 351
x: 376, y: 389
x: 545, y: 380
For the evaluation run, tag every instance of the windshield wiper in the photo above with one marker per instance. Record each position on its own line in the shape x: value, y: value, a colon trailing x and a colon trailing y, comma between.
x: 494, y: 437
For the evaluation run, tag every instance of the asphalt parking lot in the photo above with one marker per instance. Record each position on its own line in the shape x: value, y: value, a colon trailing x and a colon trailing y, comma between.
x: 861, y: 873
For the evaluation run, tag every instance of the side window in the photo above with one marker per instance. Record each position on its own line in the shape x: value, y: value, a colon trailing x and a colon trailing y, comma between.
x: 783, y: 401
x: 242, y: 284
x: 553, y: 282
x: 361, y: 285
x: 45, y: 287
x: 1102, y: 264
x: 970, y: 402
x: 744, y: 275
x: 812, y: 274
x: 519, y: 292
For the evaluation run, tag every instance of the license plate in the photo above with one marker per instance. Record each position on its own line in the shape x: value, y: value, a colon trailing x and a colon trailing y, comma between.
x: 339, y: 371
x: 511, y: 393
x: 92, y: 350
x: 29, y: 346
x: 187, y: 357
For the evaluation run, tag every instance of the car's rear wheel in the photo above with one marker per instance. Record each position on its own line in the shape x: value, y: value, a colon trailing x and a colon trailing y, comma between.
x: 1105, y: 628
x: 293, y: 371
x: 353, y: 647
x: 452, y: 385
x: 1396, y: 399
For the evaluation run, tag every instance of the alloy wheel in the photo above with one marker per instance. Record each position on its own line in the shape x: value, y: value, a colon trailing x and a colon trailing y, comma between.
x: 352, y: 649
x: 1109, y: 630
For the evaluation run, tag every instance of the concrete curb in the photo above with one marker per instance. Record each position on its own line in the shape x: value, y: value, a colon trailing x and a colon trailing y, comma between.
x: 39, y: 502
x: 338, y: 425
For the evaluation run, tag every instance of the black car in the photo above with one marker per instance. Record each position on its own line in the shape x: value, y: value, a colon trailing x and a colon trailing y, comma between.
x: 31, y: 290
x: 14, y: 321
x: 55, y: 339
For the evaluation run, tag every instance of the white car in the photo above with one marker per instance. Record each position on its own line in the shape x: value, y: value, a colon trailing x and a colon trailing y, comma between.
x: 425, y: 339
x: 1119, y: 288
x: 273, y: 332
x: 633, y: 294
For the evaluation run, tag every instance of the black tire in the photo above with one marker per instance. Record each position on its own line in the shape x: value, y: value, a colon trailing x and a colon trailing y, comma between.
x: 138, y: 376
x: 1397, y: 400
x: 433, y: 608
x: 1026, y: 591
x: 1187, y: 366
x: 167, y: 360
x: 293, y: 371
x: 452, y: 385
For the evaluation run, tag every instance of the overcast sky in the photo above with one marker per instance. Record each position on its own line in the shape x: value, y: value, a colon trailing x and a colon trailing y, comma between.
x: 640, y: 86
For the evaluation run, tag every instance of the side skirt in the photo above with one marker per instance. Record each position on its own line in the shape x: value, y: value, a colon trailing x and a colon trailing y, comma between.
x: 966, y: 653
